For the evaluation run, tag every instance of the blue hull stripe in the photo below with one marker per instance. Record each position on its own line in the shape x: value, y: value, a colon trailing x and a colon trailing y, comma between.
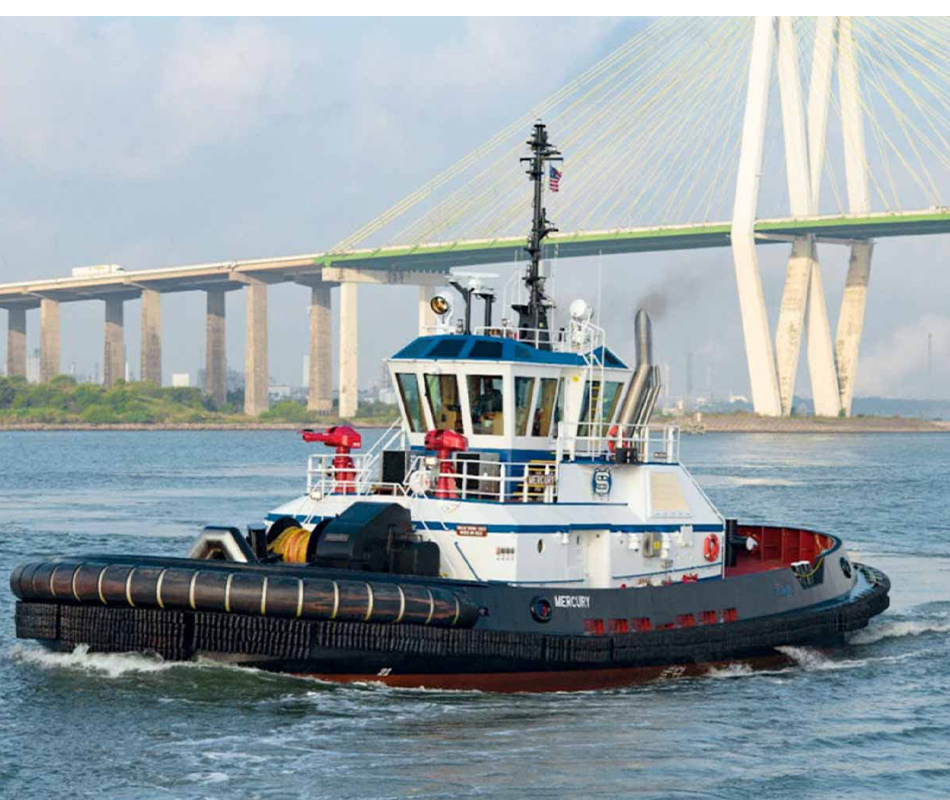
x: 438, y: 525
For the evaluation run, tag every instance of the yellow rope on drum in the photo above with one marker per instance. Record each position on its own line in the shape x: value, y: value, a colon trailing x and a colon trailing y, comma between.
x: 291, y: 545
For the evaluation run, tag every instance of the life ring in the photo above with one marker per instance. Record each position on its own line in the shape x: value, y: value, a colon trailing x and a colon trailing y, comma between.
x: 711, y: 547
x: 612, y: 439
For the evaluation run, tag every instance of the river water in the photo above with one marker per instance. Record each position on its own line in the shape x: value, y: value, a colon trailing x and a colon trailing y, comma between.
x: 869, y: 721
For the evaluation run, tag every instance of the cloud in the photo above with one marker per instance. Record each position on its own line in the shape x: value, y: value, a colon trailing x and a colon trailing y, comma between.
x: 898, y: 367
x: 484, y: 56
x: 485, y: 67
x: 218, y: 83
x: 110, y: 98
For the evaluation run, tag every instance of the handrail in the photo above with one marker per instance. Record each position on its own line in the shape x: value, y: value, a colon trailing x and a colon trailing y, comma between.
x: 649, y: 443
x: 364, y: 464
x: 514, y: 482
x: 390, y: 435
x: 581, y: 338
x: 520, y: 481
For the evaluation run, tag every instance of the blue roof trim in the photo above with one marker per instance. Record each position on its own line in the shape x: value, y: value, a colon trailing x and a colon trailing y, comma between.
x: 462, y: 347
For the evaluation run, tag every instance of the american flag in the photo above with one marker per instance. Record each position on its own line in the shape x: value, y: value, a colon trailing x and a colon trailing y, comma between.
x: 554, y: 179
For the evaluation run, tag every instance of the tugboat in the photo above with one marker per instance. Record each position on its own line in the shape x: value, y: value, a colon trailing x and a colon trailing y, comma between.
x: 522, y: 527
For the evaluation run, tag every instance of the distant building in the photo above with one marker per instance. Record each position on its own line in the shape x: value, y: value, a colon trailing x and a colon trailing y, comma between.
x: 181, y: 380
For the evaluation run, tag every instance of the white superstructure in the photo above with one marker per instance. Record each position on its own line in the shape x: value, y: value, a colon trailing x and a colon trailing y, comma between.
x: 539, y: 480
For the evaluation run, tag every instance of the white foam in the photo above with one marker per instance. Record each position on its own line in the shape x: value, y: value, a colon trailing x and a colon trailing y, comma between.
x: 207, y: 777
x: 738, y: 481
x: 735, y: 670
x: 815, y: 661
x: 112, y: 665
x: 895, y: 629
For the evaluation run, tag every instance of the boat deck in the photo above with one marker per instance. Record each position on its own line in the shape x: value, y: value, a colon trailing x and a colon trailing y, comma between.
x: 747, y: 566
x: 778, y: 548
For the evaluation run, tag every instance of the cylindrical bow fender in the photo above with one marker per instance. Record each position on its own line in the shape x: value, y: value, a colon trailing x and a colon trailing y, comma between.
x: 237, y: 590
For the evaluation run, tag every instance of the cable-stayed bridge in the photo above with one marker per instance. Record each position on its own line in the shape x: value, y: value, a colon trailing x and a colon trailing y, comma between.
x: 803, y: 132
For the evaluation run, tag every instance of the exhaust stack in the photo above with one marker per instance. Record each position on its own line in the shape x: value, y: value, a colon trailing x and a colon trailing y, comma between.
x: 645, y: 387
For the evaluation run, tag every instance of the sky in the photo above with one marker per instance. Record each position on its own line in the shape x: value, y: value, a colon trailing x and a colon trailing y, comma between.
x: 151, y: 143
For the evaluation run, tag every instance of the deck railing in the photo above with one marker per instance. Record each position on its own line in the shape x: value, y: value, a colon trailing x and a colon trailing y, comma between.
x: 483, y: 479
x: 426, y: 476
x: 629, y: 443
x: 575, y: 338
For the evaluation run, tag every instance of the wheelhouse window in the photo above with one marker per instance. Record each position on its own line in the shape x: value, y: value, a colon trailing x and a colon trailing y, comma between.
x: 411, y: 400
x: 546, y: 411
x: 443, y: 394
x: 524, y: 395
x: 592, y: 399
x: 589, y: 406
x: 486, y: 400
x: 612, y: 393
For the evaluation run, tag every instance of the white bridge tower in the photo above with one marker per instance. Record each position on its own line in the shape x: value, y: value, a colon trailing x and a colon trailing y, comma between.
x: 832, y: 369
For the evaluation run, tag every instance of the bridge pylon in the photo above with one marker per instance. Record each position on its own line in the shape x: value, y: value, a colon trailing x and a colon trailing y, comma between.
x: 803, y: 309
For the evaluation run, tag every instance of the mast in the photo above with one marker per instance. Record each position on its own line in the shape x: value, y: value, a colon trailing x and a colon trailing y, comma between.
x: 534, y: 314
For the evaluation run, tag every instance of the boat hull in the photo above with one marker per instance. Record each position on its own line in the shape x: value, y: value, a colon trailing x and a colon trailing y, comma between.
x: 476, y: 657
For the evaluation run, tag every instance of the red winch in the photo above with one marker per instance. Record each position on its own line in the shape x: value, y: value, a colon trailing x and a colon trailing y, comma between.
x: 344, y: 439
x: 445, y: 443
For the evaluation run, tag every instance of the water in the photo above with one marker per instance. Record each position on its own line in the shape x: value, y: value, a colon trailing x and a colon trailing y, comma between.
x: 869, y: 721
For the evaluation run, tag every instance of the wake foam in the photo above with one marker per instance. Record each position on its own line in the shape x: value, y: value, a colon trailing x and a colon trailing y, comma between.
x: 812, y: 660
x: 738, y: 481
x: 111, y: 665
x: 736, y: 670
x: 896, y: 629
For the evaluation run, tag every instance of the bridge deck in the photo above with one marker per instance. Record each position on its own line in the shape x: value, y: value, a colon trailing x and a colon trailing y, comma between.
x: 440, y: 257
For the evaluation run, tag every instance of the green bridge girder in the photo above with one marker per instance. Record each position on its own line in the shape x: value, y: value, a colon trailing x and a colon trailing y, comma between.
x: 440, y: 257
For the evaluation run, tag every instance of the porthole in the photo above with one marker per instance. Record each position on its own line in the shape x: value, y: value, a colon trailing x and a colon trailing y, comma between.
x: 845, y: 567
x: 541, y: 609
x: 540, y: 545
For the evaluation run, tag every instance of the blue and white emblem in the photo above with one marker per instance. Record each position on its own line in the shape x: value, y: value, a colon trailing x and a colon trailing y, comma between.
x: 601, y: 481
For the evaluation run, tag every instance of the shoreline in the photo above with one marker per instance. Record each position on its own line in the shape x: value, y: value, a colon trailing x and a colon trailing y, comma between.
x: 749, y: 423
x: 178, y: 426
x: 739, y: 423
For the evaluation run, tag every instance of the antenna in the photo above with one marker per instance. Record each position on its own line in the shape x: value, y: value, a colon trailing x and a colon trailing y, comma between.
x: 534, y: 314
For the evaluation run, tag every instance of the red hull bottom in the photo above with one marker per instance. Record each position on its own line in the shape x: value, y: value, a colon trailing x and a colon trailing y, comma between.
x: 554, y: 681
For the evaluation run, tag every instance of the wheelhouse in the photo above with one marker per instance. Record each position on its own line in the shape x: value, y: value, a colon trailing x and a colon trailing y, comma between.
x: 505, y: 395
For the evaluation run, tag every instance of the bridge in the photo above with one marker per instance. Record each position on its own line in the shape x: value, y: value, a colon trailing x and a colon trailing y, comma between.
x: 675, y: 124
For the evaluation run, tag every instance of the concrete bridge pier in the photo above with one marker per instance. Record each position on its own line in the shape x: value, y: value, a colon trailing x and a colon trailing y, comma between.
x: 255, y: 349
x: 851, y: 320
x: 216, y: 363
x: 791, y: 320
x: 821, y: 357
x: 49, y: 339
x: 16, y: 342
x: 349, y: 349
x: 320, y: 381
x: 113, y: 360
x: 152, y: 336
